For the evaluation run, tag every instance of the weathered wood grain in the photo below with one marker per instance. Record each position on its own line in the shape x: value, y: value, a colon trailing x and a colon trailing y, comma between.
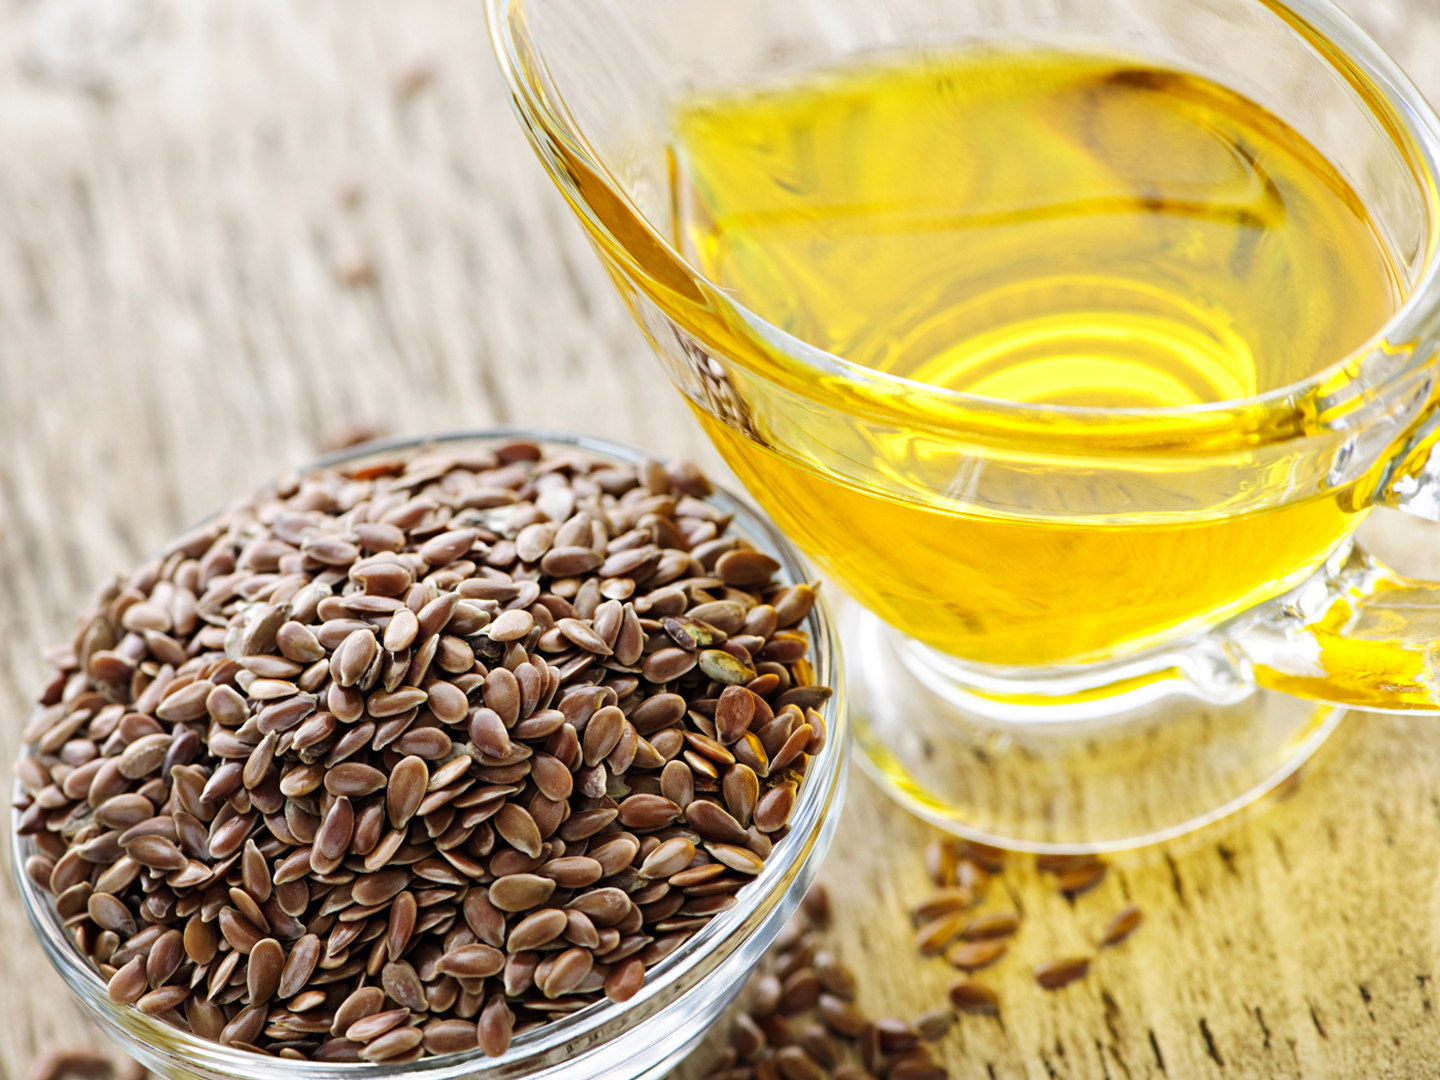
x: 268, y: 220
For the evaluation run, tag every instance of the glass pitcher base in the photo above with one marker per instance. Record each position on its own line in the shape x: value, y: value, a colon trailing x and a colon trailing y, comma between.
x: 1081, y: 780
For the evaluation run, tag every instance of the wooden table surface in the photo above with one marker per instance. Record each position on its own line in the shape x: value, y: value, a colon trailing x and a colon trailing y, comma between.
x: 233, y: 231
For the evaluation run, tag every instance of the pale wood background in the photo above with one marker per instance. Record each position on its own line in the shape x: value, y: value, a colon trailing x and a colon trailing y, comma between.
x: 231, y: 229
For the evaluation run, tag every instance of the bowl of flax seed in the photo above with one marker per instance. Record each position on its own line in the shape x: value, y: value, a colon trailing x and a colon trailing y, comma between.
x: 502, y: 750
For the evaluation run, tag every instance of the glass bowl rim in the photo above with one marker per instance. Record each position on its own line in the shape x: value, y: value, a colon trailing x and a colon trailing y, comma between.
x: 1414, y: 320
x: 687, y: 967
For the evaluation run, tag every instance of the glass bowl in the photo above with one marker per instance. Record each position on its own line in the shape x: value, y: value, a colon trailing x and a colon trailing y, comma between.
x: 681, y: 1000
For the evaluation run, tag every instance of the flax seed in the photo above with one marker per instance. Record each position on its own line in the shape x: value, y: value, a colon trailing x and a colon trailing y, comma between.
x: 995, y: 924
x: 935, y: 936
x: 495, y: 1027
x: 1125, y: 922
x: 973, y: 955
x: 392, y: 1045
x: 945, y: 902
x: 1079, y: 878
x: 972, y: 997
x: 1055, y: 974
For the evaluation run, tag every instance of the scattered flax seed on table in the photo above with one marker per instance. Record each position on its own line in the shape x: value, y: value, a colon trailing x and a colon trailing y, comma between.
x: 962, y: 871
x: 801, y: 1023
x: 407, y: 758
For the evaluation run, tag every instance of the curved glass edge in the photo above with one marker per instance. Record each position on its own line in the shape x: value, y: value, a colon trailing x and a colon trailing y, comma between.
x: 562, y: 146
x: 705, y: 967
x: 881, y: 766
x: 882, y: 700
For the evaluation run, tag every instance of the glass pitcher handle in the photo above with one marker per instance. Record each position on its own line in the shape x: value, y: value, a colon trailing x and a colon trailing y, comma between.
x: 1359, y: 634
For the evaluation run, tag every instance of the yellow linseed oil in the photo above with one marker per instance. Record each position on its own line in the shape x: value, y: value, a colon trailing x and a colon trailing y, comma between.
x: 1039, y: 227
